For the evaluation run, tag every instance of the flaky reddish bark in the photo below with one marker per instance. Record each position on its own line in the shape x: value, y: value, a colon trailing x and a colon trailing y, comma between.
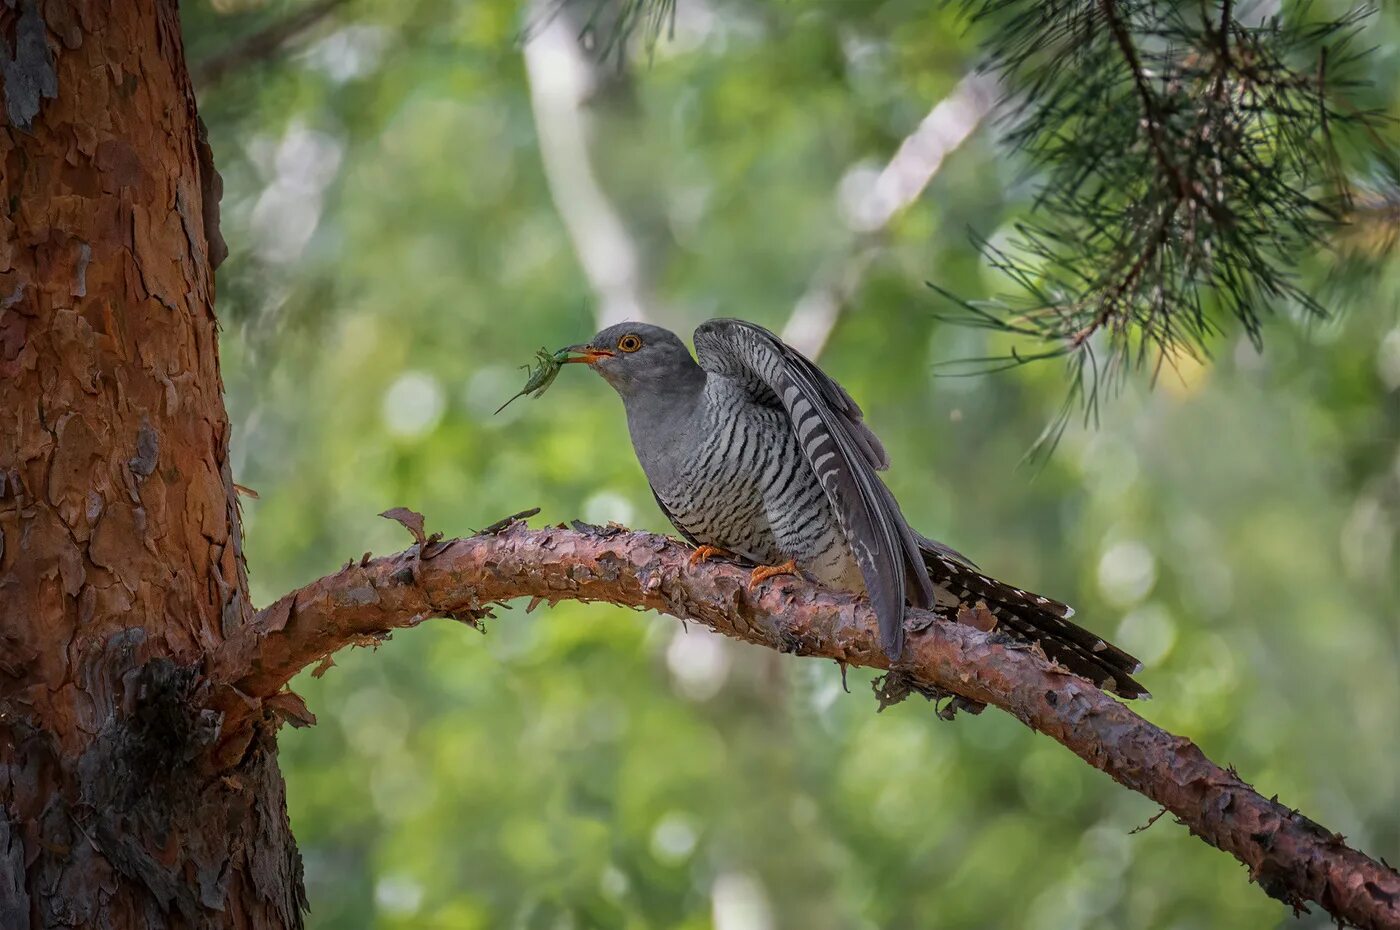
x: 138, y: 693
x: 1290, y: 856
x: 120, y: 565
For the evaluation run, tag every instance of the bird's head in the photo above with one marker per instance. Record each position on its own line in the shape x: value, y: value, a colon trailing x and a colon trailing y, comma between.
x: 638, y: 357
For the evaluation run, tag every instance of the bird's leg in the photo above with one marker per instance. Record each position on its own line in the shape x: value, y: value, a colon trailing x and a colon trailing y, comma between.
x: 705, y: 553
x: 764, y: 572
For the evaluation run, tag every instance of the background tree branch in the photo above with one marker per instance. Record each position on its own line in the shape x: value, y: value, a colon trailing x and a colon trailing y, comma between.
x: 262, y: 44
x: 564, y: 79
x: 1291, y: 857
x: 898, y: 185
x: 1189, y: 159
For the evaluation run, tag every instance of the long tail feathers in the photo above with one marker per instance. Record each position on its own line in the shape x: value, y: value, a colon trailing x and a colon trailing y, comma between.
x: 1039, y: 620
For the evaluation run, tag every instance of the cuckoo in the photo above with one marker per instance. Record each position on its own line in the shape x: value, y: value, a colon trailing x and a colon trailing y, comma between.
x: 754, y: 452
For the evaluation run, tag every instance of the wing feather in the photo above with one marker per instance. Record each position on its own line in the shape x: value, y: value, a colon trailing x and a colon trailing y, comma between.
x: 666, y: 511
x: 844, y: 454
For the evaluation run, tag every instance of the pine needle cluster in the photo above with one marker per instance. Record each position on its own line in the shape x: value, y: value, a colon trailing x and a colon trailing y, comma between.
x: 1191, y: 158
x: 1189, y: 165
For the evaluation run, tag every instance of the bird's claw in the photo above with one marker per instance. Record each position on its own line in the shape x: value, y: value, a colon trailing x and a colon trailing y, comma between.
x: 705, y: 553
x: 764, y: 572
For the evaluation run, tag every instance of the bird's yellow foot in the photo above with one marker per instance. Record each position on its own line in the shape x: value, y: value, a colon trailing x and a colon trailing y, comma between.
x: 705, y: 553
x: 764, y: 572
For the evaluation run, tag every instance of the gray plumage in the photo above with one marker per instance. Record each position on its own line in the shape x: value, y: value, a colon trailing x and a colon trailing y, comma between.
x: 757, y: 451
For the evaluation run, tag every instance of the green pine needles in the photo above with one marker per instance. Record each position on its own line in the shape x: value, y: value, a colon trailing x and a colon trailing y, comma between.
x: 1194, y: 163
x: 1190, y: 165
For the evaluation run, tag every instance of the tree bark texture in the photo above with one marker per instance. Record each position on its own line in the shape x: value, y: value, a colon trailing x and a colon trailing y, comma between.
x: 139, y: 692
x: 127, y: 798
x: 1291, y: 857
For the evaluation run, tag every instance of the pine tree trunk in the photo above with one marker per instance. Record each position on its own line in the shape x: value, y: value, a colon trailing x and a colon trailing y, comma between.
x: 133, y: 793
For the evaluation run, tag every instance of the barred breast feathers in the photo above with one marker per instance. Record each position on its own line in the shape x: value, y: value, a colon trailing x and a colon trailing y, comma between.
x: 842, y: 452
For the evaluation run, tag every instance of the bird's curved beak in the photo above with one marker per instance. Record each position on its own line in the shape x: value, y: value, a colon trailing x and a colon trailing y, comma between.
x: 586, y: 354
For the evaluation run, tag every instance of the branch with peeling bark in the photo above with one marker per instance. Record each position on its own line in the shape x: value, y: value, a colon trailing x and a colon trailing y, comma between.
x: 1291, y: 857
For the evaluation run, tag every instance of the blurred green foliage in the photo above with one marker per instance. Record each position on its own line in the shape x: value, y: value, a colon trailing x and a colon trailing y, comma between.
x: 396, y: 253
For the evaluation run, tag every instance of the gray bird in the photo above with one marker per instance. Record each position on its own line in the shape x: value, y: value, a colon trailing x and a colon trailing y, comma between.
x: 755, y: 452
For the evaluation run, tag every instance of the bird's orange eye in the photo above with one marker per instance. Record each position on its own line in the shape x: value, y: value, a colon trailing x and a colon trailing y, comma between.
x: 630, y: 342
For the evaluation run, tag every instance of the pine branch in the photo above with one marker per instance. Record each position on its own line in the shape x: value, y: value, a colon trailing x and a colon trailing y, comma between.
x: 1292, y: 858
x: 1189, y: 164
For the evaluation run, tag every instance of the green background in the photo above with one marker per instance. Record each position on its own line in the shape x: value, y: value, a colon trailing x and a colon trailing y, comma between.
x: 397, y: 252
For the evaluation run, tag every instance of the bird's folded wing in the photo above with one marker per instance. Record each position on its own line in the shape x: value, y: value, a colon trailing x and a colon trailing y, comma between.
x: 843, y: 453
x: 669, y: 516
